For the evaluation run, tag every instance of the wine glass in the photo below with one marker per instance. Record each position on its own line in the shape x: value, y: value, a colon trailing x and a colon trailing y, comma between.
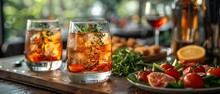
x: 156, y: 16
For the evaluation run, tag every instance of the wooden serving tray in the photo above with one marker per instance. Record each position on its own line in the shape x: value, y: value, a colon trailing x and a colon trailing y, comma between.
x: 58, y: 81
x: 155, y: 57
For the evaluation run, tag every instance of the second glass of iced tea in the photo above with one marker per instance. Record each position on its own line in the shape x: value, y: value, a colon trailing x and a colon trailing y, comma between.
x: 43, y: 45
x: 89, y: 53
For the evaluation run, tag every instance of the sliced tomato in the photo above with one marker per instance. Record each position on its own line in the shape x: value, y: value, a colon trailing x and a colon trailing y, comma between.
x: 188, y: 70
x: 139, y: 75
x: 199, y: 68
x: 174, y: 73
x: 193, y: 80
x: 143, y: 76
x: 184, y: 67
x: 190, y: 64
x: 214, y: 71
x: 183, y: 62
x: 166, y: 66
x: 207, y: 67
x: 187, y: 63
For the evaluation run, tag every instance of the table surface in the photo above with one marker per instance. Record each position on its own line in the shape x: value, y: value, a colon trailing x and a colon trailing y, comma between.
x: 24, y: 81
x: 9, y: 87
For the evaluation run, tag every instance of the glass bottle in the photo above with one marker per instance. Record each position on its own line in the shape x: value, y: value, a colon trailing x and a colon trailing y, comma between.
x: 185, y: 24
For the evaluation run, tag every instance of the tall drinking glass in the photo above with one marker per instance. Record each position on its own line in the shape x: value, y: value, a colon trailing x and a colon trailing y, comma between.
x: 89, y: 53
x: 43, y: 45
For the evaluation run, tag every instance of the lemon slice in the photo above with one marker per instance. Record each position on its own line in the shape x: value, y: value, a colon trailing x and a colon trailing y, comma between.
x: 191, y: 53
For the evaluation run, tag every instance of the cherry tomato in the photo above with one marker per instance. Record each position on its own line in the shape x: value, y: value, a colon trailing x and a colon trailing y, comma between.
x: 188, y: 70
x: 199, y: 68
x: 143, y: 76
x: 174, y: 73
x: 139, y: 75
x: 183, y: 61
x: 215, y: 72
x: 190, y: 64
x: 166, y: 66
x: 207, y: 67
x: 193, y: 80
x: 187, y: 63
x: 184, y: 67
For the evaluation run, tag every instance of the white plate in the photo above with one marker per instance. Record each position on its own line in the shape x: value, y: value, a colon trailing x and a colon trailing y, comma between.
x: 214, y: 90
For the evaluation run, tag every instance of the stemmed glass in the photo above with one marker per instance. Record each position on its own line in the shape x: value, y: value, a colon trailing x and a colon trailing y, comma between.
x: 156, y: 16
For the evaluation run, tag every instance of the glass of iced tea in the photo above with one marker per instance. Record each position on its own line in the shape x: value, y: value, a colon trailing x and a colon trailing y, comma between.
x: 43, y: 45
x: 89, y: 53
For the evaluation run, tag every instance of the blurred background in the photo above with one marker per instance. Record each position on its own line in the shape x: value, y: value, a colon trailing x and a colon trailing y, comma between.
x: 127, y: 19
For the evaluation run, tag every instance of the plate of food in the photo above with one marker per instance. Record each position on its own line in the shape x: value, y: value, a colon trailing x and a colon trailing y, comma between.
x: 178, y: 77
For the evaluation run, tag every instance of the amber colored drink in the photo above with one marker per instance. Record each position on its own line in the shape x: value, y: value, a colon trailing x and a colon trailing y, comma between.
x: 43, y: 45
x: 185, y: 24
x: 89, y: 52
x: 157, y: 22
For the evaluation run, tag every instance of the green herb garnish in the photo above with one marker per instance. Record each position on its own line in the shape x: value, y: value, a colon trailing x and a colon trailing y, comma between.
x: 126, y: 62
x: 44, y: 26
x: 44, y: 37
x: 89, y: 28
x: 93, y: 28
x: 49, y: 33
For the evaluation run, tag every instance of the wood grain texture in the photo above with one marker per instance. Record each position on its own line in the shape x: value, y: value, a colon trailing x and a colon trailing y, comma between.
x: 58, y: 81
x: 8, y: 87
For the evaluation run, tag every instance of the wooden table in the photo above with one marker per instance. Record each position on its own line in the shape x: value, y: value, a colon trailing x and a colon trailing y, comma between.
x: 9, y: 87
x: 21, y: 79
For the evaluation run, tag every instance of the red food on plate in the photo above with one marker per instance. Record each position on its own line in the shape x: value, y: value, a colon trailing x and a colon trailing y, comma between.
x: 166, y: 66
x: 188, y: 70
x: 174, y: 73
x: 159, y: 79
x: 214, y: 71
x: 199, y: 68
x: 143, y: 76
x: 193, y: 80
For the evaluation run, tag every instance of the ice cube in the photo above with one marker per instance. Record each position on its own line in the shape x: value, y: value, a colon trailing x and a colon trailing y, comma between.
x: 107, y: 47
x: 56, y: 35
x: 34, y: 37
x: 32, y: 47
x: 105, y: 57
x: 106, y: 38
x: 77, y: 58
x: 91, y: 40
x: 50, y: 48
x: 76, y: 42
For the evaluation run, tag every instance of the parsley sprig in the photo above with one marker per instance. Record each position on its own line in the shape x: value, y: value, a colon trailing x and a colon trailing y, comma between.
x: 126, y: 62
